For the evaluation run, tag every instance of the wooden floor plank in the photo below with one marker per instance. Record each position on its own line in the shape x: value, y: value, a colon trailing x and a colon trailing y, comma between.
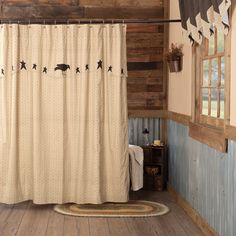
x: 70, y: 226
x: 12, y: 222
x: 181, y: 223
x: 27, y: 219
x: 83, y: 226
x: 157, y: 225
x: 98, y: 227
x: 118, y: 227
x: 171, y: 226
x: 35, y: 220
x: 5, y: 211
x: 140, y: 227
x: 186, y: 223
x: 180, y: 217
x: 55, y: 224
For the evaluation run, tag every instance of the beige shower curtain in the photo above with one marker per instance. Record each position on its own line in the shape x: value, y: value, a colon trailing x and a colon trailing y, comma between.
x: 63, y: 120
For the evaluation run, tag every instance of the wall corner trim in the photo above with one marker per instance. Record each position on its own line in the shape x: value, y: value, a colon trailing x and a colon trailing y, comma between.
x: 197, y: 219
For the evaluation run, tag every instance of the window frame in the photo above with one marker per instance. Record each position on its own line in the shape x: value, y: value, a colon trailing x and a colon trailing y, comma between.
x: 210, y: 130
x: 201, y: 55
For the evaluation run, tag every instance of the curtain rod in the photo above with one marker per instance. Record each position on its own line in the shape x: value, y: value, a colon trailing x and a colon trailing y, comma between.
x: 88, y: 21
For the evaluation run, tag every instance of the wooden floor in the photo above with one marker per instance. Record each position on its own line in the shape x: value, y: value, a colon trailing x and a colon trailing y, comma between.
x: 27, y: 219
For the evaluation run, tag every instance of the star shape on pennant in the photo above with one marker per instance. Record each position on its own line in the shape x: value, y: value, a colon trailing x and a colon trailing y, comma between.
x: 45, y: 70
x: 34, y: 67
x: 22, y: 65
x: 99, y: 64
x: 2, y: 71
x: 110, y: 69
x: 77, y: 70
x: 87, y: 67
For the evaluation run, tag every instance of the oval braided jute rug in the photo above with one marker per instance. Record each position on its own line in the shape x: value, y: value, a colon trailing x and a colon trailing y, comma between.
x: 129, y: 209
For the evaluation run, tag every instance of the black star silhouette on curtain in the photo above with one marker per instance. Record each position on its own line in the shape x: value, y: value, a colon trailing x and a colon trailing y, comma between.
x: 45, y: 70
x: 23, y: 65
x: 3, y: 71
x: 77, y: 70
x: 99, y: 64
x: 34, y: 67
x: 87, y: 67
x: 110, y: 69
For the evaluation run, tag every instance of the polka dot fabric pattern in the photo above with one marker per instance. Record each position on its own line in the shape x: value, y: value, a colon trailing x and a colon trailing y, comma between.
x: 63, y: 114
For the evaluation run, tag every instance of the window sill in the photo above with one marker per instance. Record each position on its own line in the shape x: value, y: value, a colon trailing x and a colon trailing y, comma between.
x: 211, y: 122
x: 213, y: 137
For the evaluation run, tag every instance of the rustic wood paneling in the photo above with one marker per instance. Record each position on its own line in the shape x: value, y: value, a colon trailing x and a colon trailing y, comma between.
x: 145, y: 46
x: 123, y: 12
x: 81, y: 9
x: 147, y: 113
x: 145, y: 42
x: 122, y: 3
x: 144, y: 65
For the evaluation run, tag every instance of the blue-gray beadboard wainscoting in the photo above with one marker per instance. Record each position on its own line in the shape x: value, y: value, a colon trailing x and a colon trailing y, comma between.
x: 204, y: 177
x: 136, y: 127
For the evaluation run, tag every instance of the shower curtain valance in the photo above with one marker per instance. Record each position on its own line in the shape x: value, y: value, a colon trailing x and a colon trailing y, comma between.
x: 200, y: 17
x: 61, y: 67
x: 63, y: 114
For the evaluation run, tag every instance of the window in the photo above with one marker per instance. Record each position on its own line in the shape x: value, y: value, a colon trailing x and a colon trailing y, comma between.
x: 212, y: 98
x: 211, y: 76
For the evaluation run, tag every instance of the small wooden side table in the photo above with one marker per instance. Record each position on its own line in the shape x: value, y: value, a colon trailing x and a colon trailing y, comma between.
x: 155, y: 167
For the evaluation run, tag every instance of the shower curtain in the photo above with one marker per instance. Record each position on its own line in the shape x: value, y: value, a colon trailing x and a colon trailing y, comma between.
x: 63, y: 120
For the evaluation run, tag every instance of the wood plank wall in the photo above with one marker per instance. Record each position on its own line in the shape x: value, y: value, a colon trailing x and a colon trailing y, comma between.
x: 145, y: 42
